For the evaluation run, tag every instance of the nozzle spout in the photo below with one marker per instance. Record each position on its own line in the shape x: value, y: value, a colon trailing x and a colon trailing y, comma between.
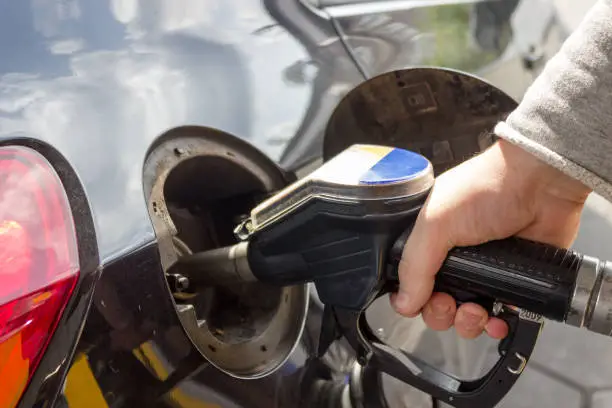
x: 217, y: 267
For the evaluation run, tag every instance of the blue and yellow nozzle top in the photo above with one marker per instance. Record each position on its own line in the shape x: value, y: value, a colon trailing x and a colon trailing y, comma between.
x: 371, y: 165
x: 361, y: 174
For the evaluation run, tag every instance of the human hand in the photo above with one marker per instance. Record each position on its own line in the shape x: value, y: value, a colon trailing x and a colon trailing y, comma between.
x: 503, y: 192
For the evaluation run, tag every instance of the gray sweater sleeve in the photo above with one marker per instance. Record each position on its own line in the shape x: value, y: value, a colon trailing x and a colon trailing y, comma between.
x: 565, y: 117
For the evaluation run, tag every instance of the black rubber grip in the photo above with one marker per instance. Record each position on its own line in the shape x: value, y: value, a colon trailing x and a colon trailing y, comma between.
x: 533, y: 276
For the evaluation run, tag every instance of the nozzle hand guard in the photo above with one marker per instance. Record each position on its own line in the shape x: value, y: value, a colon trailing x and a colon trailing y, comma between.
x: 515, y: 350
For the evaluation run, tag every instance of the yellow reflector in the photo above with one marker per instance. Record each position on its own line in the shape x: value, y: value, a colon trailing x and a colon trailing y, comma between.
x: 82, y: 390
x: 13, y: 371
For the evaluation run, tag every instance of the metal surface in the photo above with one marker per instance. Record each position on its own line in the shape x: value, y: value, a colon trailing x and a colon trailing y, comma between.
x: 239, y: 255
x: 178, y: 283
x: 243, y: 355
x: 591, y: 303
x: 223, y: 266
x: 356, y: 385
x: 601, y: 314
x: 101, y: 80
x: 497, y: 308
x: 361, y: 7
x: 490, y: 38
x: 581, y: 302
x: 521, y: 366
x: 247, y: 331
x: 414, y: 109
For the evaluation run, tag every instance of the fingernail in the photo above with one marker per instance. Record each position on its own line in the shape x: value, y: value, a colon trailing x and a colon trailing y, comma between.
x: 402, y: 301
x: 472, y: 321
x: 440, y: 311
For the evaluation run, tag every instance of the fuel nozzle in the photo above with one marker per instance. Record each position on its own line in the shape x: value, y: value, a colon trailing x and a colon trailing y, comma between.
x: 591, y: 301
x: 226, y: 266
x: 340, y: 230
x: 589, y: 306
x: 344, y: 227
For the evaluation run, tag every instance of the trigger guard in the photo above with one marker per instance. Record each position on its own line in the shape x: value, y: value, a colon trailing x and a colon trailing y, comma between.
x: 487, y: 391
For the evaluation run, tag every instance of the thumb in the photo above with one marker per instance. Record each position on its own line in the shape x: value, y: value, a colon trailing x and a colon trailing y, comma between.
x: 422, y: 257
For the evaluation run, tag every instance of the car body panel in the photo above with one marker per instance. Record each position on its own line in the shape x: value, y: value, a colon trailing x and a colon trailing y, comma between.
x: 487, y: 38
x: 101, y: 80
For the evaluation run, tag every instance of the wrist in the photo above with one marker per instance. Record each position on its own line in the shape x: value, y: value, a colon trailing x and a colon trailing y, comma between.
x: 534, y: 174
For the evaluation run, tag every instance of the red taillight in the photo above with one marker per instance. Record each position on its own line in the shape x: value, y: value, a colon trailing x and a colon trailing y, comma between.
x: 38, y: 264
